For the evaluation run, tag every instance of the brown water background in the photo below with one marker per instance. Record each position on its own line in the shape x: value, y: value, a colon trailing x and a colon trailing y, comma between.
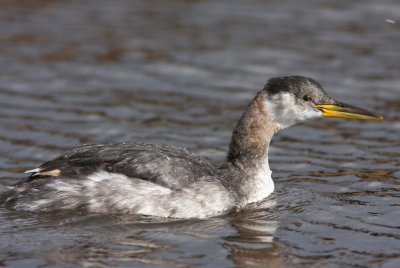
x: 181, y: 73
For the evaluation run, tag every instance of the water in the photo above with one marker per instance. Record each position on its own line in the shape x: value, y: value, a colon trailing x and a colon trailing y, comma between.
x: 181, y: 73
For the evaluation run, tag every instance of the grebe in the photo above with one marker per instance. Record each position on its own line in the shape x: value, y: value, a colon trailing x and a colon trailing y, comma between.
x: 164, y: 181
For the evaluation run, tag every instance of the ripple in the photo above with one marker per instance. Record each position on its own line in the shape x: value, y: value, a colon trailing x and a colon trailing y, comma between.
x: 95, y: 71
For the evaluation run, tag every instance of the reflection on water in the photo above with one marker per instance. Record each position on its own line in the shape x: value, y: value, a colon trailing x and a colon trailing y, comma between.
x: 181, y: 73
x: 107, y: 241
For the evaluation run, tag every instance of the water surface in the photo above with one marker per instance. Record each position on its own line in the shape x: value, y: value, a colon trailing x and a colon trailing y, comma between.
x: 181, y: 73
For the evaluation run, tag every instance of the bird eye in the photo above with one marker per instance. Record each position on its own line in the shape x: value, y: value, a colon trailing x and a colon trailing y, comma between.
x: 307, y: 98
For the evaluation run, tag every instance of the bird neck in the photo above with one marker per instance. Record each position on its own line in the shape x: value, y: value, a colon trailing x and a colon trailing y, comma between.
x: 250, y: 140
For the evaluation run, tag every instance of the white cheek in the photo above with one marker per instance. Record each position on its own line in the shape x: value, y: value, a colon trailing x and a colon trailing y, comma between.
x: 284, y: 109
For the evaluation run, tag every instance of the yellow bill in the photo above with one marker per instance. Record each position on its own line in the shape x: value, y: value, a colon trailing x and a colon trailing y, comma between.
x: 342, y: 110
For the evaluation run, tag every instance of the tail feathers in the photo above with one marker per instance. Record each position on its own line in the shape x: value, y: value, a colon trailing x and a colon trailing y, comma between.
x: 40, y: 200
x: 8, y: 198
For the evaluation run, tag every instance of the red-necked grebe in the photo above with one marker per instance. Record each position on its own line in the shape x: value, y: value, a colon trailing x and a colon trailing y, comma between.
x: 164, y: 181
